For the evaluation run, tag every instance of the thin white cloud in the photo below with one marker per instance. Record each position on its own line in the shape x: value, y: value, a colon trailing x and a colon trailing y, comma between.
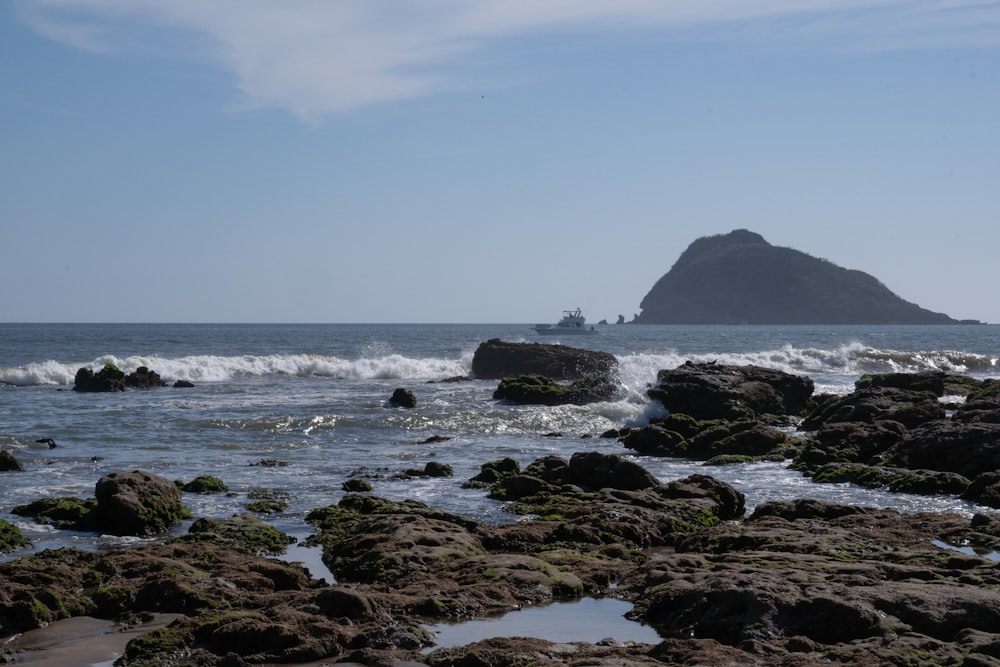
x: 318, y: 57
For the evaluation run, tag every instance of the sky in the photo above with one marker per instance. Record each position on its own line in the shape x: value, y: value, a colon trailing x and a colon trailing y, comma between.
x: 483, y: 161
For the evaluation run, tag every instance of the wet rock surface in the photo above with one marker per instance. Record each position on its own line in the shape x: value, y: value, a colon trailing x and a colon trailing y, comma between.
x: 798, y: 582
x: 495, y: 359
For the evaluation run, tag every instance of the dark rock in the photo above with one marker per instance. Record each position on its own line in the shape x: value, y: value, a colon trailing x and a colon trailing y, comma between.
x: 967, y: 449
x: 805, y: 508
x: 143, y: 378
x: 731, y: 504
x: 899, y: 480
x: 716, y: 391
x: 909, y: 408
x: 493, y: 471
x: 349, y: 603
x: 108, y: 379
x: 437, y: 469
x: 750, y: 438
x: 978, y: 410
x: 183, y: 384
x: 985, y: 490
x: 270, y: 463
x: 496, y: 359
x: 930, y: 381
x: 137, y: 503
x: 593, y: 470
x: 403, y: 398
x: 585, y: 470
x: 740, y: 278
x: 451, y: 380
x: 849, y: 442
x: 8, y: 463
x: 431, y: 469
x: 434, y: 439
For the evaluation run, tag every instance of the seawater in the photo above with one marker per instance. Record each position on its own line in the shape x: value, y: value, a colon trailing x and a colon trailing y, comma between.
x: 314, y: 398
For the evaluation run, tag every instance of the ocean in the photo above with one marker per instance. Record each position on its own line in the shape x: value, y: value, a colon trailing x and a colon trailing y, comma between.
x: 313, y: 397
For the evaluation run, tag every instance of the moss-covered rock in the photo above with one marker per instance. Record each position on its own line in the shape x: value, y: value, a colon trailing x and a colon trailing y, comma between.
x: 63, y: 512
x: 267, y: 506
x: 357, y: 486
x: 205, y: 484
x: 138, y: 503
x: 11, y: 537
x: 540, y: 390
x: 243, y: 531
x: 899, y: 480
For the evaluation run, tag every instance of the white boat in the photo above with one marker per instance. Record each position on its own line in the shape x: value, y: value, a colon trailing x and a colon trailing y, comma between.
x: 572, y: 323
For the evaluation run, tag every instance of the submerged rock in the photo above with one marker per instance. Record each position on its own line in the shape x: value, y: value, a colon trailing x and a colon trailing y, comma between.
x: 403, y: 398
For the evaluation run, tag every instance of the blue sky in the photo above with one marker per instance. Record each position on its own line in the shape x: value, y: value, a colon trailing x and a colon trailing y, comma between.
x: 483, y: 161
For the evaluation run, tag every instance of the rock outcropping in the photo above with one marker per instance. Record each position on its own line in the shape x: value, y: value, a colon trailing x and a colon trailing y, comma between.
x: 496, y: 359
x: 739, y: 278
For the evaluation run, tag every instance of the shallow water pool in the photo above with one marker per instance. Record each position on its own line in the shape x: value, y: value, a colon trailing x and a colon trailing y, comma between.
x: 586, y: 620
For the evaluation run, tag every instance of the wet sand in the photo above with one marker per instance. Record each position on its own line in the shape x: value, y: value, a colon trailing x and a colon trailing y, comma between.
x: 84, y: 641
x: 81, y: 640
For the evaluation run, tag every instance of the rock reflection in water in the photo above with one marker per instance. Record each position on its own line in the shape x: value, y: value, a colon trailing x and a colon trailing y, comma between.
x: 586, y: 620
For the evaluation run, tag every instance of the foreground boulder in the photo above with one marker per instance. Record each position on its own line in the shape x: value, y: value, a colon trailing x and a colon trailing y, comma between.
x: 137, y: 503
x: 497, y: 359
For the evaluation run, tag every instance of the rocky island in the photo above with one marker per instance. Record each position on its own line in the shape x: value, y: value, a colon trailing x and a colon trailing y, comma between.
x: 739, y: 278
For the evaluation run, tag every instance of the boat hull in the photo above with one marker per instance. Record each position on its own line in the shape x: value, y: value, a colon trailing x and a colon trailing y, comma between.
x: 549, y: 330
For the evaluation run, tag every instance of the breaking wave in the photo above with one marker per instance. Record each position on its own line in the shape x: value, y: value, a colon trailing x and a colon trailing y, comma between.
x: 635, y: 370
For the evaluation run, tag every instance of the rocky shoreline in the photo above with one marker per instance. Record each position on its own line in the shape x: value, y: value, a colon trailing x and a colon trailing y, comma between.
x: 794, y: 583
